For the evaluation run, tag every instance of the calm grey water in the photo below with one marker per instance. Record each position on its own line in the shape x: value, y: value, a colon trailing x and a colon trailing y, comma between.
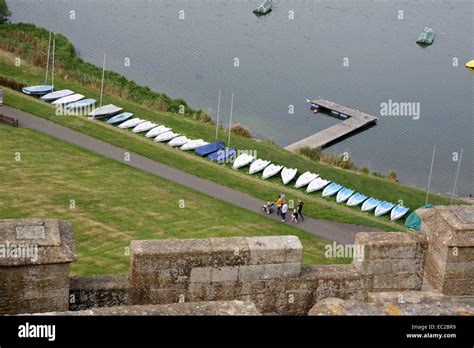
x: 283, y: 61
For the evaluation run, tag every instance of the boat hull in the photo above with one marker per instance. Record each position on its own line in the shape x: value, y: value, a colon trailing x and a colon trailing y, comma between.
x: 271, y: 170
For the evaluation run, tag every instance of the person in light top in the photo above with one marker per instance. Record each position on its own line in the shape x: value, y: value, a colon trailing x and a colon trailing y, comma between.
x: 284, y: 210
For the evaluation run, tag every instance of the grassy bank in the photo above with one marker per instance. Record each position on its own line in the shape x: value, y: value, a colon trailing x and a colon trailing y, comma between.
x: 31, y: 44
x: 266, y: 190
x: 114, y: 203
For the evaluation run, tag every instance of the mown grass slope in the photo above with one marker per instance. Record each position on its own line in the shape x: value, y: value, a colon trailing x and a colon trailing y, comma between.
x: 110, y: 204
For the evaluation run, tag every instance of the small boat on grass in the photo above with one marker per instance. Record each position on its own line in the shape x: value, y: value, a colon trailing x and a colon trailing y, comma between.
x: 317, y: 184
x: 209, y: 148
x: 56, y: 95
x: 264, y: 7
x: 426, y: 37
x: 356, y: 199
x: 223, y: 155
x: 119, y: 118
x: 288, y: 174
x: 343, y: 195
x: 243, y: 160
x: 166, y: 136
x: 398, y: 212
x: 271, y: 170
x: 258, y: 166
x: 38, y: 90
x: 305, y: 178
x: 144, y: 127
x: 193, y: 144
x: 178, y: 141
x: 81, y: 104
x: 157, y: 130
x: 383, y: 208
x: 370, y: 204
x: 131, y: 123
x: 105, y: 111
x: 331, y: 189
x: 72, y: 98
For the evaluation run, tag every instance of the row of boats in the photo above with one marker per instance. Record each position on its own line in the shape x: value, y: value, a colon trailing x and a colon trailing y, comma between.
x: 313, y: 182
x: 218, y: 152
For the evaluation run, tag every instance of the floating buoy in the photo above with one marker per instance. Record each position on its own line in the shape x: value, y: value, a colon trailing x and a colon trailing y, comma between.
x: 470, y: 64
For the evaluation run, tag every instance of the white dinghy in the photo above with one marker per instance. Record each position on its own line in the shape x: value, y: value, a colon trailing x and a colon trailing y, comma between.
x: 105, y: 111
x: 258, y: 165
x: 166, y: 136
x: 305, y: 178
x: 179, y: 141
x: 243, y: 160
x: 144, y: 127
x: 154, y: 132
x: 193, y: 144
x: 68, y: 99
x: 287, y: 174
x: 56, y: 95
x: 317, y: 184
x: 271, y: 170
x: 131, y: 123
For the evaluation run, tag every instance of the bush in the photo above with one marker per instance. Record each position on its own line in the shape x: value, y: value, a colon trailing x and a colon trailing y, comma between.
x: 4, y: 12
x: 238, y: 129
x: 338, y: 161
x: 378, y: 175
x: 17, y: 86
x: 31, y: 42
x: 313, y: 154
x: 392, y: 176
x: 270, y: 141
x: 364, y: 170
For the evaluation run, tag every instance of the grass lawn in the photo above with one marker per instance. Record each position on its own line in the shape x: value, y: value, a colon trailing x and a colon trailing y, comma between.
x: 115, y: 203
x: 315, y: 206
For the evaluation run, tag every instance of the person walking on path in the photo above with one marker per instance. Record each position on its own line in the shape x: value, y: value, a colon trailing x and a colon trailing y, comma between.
x: 294, y: 216
x: 299, y: 208
x: 283, y: 198
x: 284, y: 210
x: 279, y: 205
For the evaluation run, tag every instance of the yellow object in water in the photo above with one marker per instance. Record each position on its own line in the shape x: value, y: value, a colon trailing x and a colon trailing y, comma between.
x: 470, y: 64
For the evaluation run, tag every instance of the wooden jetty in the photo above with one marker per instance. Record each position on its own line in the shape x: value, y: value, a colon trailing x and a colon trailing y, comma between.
x: 356, y: 120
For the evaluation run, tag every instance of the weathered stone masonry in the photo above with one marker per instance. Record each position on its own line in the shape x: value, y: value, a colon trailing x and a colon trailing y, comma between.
x: 267, y: 271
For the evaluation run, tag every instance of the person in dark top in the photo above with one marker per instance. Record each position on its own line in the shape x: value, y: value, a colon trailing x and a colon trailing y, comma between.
x: 299, y: 209
x: 294, y: 216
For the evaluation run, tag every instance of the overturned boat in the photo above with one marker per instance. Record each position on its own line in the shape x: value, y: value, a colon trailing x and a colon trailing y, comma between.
x: 105, y: 111
x: 271, y: 170
x: 243, y: 160
x: 56, y: 95
x: 258, y: 166
x: 120, y: 118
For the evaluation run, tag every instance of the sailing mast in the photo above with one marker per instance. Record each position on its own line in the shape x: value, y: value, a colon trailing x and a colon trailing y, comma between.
x: 230, y: 122
x: 52, y: 65
x: 102, y: 83
x: 218, y: 111
x: 47, y: 61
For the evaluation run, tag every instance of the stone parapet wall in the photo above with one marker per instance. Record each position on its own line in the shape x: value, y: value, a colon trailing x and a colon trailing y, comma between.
x: 393, y: 260
x: 34, y: 265
x: 449, y: 264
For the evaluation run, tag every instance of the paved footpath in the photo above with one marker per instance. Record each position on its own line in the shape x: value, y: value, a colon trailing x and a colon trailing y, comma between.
x: 339, y: 232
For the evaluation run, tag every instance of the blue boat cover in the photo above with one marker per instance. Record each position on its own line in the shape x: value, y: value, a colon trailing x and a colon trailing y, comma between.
x: 120, y: 118
x: 413, y: 221
x: 222, y: 155
x: 358, y: 198
x: 38, y: 90
x: 209, y: 148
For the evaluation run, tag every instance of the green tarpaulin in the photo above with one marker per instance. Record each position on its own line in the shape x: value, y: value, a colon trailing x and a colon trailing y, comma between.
x: 413, y: 221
